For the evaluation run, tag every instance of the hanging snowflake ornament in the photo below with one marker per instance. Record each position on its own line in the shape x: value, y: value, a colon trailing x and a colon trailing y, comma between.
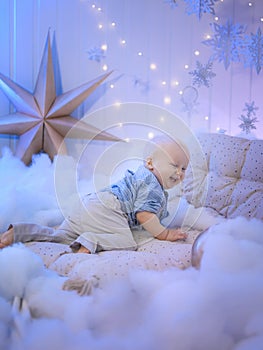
x: 199, y: 7
x: 248, y: 121
x: 144, y: 85
x: 253, y: 51
x: 203, y: 74
x: 173, y: 3
x: 227, y: 43
x: 250, y: 108
x: 96, y: 54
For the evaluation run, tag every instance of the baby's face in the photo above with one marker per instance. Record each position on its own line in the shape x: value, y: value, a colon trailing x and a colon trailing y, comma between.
x: 169, y: 164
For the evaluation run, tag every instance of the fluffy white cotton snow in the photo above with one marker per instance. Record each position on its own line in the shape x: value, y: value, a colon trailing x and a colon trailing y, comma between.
x: 218, y: 307
x: 27, y: 193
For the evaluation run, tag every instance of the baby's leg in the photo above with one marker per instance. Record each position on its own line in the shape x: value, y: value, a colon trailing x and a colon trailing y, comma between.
x: 27, y: 232
x: 7, y: 238
x: 102, y: 225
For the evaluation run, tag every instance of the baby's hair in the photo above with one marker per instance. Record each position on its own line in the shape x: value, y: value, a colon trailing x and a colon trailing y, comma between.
x: 155, y: 144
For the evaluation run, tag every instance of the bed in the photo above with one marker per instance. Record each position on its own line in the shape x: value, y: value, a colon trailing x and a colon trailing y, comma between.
x: 105, y: 299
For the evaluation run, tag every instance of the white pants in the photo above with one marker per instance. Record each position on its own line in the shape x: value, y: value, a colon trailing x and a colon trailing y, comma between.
x: 98, y: 223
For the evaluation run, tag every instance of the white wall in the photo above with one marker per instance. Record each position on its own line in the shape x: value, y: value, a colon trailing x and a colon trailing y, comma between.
x: 166, y: 36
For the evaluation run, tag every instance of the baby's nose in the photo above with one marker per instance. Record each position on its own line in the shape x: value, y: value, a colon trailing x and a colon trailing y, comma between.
x: 178, y: 172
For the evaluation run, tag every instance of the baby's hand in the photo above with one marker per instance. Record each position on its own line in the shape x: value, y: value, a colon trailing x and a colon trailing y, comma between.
x: 175, y: 235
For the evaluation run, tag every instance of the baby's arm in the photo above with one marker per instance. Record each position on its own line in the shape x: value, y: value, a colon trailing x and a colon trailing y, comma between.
x: 151, y: 223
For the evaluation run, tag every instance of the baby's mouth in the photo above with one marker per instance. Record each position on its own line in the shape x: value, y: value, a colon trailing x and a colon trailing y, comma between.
x: 174, y: 179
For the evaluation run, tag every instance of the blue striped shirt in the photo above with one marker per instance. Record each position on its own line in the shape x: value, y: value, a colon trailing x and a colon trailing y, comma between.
x: 140, y: 191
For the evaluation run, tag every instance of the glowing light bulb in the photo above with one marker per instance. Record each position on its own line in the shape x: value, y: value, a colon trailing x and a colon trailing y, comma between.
x: 113, y: 24
x: 180, y: 92
x: 150, y: 135
x: 93, y: 6
x: 186, y: 66
x: 104, y: 67
x: 163, y: 83
x: 112, y: 86
x: 123, y: 42
x: 216, y: 18
x: 104, y: 47
x: 208, y: 36
x: 139, y: 53
x: 167, y: 100
x: 197, y: 53
x: 261, y: 19
x: 99, y: 9
x: 175, y: 83
x: 250, y: 4
x: 153, y: 66
x: 206, y: 117
x: 100, y: 26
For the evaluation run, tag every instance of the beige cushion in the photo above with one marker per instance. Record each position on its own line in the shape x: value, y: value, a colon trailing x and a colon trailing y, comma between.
x: 230, y: 181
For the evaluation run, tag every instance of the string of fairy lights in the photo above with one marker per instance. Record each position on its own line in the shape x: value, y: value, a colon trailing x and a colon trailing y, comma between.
x: 203, y: 73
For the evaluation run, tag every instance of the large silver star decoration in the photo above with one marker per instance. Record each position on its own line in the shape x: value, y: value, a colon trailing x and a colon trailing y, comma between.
x: 42, y: 120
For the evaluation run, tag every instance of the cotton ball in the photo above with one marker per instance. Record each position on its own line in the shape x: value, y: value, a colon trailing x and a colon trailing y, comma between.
x: 18, y: 266
x: 251, y: 343
x: 10, y: 166
x: 40, y: 160
x: 177, y: 310
x: 29, y: 189
x: 253, y: 334
x: 116, y: 307
x: 243, y: 228
x: 45, y: 296
x: 43, y: 334
x: 5, y: 319
x: 255, y: 324
x: 48, y: 217
x: 65, y: 172
x: 234, y: 245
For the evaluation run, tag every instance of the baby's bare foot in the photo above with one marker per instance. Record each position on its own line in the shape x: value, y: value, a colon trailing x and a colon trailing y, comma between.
x: 82, y: 249
x: 7, y: 238
x: 78, y: 248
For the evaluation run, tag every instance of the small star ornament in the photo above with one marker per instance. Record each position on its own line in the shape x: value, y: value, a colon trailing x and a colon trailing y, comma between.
x: 42, y: 120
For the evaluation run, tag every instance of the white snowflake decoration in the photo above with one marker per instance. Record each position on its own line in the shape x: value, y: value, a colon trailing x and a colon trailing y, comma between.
x: 203, y: 74
x: 248, y: 121
x: 253, y: 52
x: 227, y: 42
x: 96, y: 54
x: 143, y: 85
x: 173, y: 3
x: 199, y: 7
x: 250, y: 108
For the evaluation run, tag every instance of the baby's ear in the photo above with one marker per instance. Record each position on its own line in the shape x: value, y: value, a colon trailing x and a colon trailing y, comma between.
x: 149, y: 163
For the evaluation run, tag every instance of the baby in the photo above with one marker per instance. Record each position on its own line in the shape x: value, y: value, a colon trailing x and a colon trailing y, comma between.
x: 105, y: 220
